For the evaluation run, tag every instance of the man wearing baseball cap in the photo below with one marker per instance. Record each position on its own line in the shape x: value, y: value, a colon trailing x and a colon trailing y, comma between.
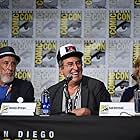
x: 12, y: 88
x: 76, y: 94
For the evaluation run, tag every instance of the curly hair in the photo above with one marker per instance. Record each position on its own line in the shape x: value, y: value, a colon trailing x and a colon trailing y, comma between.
x: 137, y: 62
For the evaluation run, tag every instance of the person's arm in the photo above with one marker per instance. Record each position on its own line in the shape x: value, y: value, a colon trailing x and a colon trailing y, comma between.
x: 104, y: 94
x: 100, y: 94
x: 29, y: 96
x: 127, y: 95
x: 25, y: 89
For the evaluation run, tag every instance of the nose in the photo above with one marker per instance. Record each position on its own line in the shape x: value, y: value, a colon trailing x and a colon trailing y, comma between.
x: 75, y: 66
x: 10, y: 67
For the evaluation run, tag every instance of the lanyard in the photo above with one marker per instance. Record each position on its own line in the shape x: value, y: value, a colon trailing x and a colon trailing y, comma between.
x: 71, y: 102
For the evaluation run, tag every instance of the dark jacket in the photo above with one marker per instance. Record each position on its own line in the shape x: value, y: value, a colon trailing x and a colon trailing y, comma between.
x: 128, y: 94
x: 93, y: 92
x: 22, y: 88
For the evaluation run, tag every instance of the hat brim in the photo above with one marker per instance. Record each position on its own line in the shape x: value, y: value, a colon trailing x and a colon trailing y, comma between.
x: 15, y: 56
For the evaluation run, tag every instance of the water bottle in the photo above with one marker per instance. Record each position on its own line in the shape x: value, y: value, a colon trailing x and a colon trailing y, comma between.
x: 45, y: 100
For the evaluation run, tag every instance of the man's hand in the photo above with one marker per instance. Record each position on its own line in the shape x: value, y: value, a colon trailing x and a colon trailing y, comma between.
x: 81, y: 112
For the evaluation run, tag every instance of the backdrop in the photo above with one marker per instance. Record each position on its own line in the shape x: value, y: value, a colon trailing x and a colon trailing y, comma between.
x: 107, y: 31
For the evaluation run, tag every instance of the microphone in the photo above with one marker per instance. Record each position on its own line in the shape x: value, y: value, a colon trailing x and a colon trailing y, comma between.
x: 68, y: 77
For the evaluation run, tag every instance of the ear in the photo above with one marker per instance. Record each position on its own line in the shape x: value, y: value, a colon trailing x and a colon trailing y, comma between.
x: 61, y: 70
x: 61, y: 76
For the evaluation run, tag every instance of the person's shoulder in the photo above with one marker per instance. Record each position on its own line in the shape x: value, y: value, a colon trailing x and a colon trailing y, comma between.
x: 57, y: 85
x: 56, y: 88
x: 128, y: 94
x: 21, y: 81
x: 91, y: 79
x: 131, y: 88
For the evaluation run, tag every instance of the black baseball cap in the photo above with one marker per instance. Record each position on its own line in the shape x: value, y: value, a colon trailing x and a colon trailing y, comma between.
x: 8, y: 51
x: 67, y: 51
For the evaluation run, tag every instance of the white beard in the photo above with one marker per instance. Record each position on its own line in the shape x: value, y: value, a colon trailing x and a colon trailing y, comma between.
x: 6, y: 79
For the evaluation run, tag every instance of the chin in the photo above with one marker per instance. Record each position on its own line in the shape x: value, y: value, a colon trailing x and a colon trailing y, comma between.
x: 7, y: 80
x: 76, y: 79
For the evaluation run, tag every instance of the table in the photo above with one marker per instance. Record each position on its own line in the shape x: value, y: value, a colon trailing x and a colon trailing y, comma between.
x: 68, y: 127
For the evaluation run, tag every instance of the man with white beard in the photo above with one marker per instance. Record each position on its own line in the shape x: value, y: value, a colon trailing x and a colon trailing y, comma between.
x: 12, y: 88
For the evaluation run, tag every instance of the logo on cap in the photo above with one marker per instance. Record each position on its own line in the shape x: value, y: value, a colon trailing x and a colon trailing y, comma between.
x: 70, y: 48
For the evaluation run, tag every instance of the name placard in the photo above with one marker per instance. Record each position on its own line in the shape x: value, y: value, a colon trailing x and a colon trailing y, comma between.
x: 117, y: 109
x: 18, y: 109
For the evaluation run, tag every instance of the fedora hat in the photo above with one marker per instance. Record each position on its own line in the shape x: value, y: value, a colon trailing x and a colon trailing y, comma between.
x: 8, y: 51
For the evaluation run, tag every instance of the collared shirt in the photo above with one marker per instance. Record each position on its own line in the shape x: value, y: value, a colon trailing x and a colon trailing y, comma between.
x: 74, y: 101
x: 4, y: 96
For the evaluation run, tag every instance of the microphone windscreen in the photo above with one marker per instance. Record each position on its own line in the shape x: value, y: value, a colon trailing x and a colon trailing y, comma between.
x: 68, y: 77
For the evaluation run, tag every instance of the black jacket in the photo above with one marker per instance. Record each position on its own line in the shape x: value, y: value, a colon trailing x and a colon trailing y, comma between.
x: 128, y: 94
x: 93, y: 92
x: 22, y: 88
